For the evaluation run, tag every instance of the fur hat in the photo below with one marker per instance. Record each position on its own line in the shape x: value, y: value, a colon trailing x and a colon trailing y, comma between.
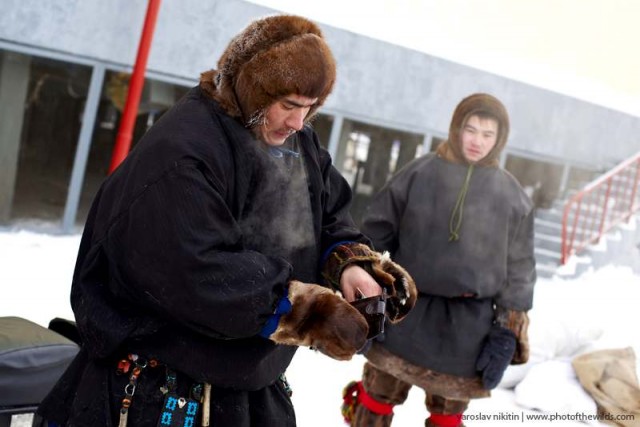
x: 484, y: 105
x: 271, y: 58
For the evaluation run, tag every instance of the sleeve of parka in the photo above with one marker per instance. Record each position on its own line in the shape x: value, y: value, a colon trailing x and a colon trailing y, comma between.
x: 381, y: 222
x: 521, y: 268
x: 178, y: 250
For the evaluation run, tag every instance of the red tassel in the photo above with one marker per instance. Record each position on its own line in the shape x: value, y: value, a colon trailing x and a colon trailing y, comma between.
x: 349, y: 399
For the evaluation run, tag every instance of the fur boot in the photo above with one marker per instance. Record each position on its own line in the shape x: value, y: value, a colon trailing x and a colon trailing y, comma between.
x: 445, y: 412
x: 380, y: 392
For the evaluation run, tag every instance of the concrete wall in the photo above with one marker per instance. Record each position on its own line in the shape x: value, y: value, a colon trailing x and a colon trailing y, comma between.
x: 377, y: 82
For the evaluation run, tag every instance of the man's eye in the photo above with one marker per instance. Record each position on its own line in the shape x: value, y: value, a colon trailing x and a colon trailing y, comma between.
x: 288, y: 106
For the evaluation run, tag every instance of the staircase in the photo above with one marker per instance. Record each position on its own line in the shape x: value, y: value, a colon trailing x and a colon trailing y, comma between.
x: 594, y: 226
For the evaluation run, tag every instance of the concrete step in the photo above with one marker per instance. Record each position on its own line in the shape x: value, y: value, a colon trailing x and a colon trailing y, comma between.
x: 546, y: 256
x: 557, y: 215
x: 554, y: 229
x: 547, y: 253
x: 551, y: 228
x: 550, y: 215
x: 547, y: 241
x: 546, y: 270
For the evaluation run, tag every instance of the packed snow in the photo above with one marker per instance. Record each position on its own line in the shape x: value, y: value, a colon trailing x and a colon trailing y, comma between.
x: 598, y: 310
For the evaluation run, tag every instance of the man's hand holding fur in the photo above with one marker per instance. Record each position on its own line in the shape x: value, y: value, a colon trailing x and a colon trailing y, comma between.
x: 356, y: 283
x: 322, y: 319
x: 395, y: 280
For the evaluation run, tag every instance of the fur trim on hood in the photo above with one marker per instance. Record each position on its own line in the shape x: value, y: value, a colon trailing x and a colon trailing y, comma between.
x: 484, y: 105
x: 271, y: 58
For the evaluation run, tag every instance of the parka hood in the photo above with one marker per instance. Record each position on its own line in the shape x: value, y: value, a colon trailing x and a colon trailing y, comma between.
x: 271, y: 58
x: 485, y: 105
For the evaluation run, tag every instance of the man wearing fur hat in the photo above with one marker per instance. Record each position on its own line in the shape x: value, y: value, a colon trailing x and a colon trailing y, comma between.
x: 463, y: 228
x: 196, y: 276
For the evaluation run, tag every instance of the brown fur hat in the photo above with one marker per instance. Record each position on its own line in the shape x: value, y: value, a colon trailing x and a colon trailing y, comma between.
x: 484, y: 105
x: 271, y: 58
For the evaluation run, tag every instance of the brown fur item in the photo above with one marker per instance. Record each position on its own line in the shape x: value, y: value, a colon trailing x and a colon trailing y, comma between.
x: 518, y: 323
x: 399, y: 285
x: 395, y: 280
x: 450, y: 386
x: 321, y: 319
x: 271, y: 58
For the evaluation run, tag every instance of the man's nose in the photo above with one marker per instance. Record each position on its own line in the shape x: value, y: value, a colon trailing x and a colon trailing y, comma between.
x: 296, y: 118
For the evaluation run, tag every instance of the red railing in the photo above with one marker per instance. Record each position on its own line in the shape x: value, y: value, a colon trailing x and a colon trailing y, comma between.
x: 600, y: 206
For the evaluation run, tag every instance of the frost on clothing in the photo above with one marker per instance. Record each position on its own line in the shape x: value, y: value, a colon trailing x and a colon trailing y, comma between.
x: 458, y: 282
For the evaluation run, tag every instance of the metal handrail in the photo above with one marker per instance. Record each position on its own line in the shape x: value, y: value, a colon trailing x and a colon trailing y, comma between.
x: 599, y: 206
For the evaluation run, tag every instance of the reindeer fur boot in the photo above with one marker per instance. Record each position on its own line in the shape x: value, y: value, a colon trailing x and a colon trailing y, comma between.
x: 375, y: 398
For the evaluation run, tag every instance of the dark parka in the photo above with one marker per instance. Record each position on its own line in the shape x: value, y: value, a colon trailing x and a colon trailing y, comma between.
x: 461, y: 283
x: 172, y: 264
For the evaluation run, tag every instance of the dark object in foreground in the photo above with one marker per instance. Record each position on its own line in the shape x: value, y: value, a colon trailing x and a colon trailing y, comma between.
x: 373, y: 309
x: 32, y: 358
x: 496, y: 355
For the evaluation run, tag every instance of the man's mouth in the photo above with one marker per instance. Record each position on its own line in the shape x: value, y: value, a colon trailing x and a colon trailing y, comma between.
x: 284, y: 133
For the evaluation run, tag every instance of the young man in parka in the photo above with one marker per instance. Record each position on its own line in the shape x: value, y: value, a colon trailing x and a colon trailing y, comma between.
x: 463, y: 228
x: 196, y: 275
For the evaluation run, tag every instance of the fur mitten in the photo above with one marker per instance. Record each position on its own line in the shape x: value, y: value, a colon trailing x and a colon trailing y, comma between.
x: 395, y: 280
x: 321, y: 319
x: 496, y: 355
x: 518, y: 323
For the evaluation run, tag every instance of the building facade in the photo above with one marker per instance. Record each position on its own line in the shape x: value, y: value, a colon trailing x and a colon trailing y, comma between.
x: 64, y: 69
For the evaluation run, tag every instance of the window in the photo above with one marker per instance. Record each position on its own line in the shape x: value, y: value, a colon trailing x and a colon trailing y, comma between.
x: 41, y: 102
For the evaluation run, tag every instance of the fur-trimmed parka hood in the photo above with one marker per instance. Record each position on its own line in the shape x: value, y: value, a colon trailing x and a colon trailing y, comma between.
x: 485, y: 105
x: 271, y: 58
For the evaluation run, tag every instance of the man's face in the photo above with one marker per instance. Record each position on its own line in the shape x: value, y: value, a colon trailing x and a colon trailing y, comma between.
x: 479, y: 136
x: 284, y: 117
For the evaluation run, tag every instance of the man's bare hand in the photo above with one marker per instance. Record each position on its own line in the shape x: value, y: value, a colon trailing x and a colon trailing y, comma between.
x: 356, y: 283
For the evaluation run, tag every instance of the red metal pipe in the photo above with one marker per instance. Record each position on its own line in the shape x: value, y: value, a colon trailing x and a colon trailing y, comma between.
x: 605, y: 207
x: 622, y: 192
x: 567, y: 245
x: 564, y: 246
x: 632, y: 207
x: 128, y: 121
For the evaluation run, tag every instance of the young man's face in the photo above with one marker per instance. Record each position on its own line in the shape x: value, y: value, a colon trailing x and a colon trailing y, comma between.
x: 285, y: 117
x: 479, y: 136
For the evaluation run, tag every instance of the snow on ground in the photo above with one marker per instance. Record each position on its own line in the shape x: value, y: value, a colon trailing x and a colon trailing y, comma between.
x: 597, y: 310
